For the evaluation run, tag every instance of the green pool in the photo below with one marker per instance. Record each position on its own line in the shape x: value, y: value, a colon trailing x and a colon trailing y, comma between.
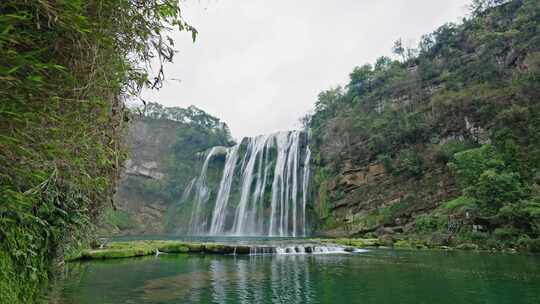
x: 377, y: 276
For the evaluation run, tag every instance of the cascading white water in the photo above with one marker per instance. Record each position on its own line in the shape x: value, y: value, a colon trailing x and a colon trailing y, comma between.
x: 218, y: 216
x: 201, y: 196
x: 242, y: 205
x: 305, y: 188
x: 256, y: 147
x: 296, y: 146
x: 278, y: 189
x: 187, y: 191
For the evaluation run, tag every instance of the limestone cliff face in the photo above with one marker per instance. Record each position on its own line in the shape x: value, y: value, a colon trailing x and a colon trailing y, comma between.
x: 370, y: 196
x: 367, y: 199
x: 150, y: 142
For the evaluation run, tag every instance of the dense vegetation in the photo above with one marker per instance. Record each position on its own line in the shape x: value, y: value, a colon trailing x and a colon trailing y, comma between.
x: 456, y: 125
x: 66, y: 67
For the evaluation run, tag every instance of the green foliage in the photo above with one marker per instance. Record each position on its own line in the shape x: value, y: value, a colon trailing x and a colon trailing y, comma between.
x: 477, y: 237
x: 388, y: 215
x: 190, y: 116
x: 486, y: 179
x: 387, y: 162
x: 495, y: 190
x: 118, y: 218
x: 429, y: 223
x: 445, y: 152
x: 65, y: 67
x: 480, y: 6
x: 470, y: 164
x: 459, y: 202
x: 505, y: 233
x: 524, y: 214
x: 410, y: 163
x: 532, y: 245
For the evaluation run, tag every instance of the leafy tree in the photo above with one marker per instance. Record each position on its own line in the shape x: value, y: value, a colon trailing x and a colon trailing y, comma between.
x: 398, y: 49
x: 495, y: 190
x: 361, y: 79
x: 382, y: 64
x: 470, y: 164
x: 480, y: 6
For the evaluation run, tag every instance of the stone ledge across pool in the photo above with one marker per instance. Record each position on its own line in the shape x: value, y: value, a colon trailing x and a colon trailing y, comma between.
x: 129, y: 249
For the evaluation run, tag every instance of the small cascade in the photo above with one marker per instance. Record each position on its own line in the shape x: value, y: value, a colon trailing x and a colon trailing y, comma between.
x: 328, y: 250
x: 300, y: 249
x: 261, y: 250
x: 264, y: 188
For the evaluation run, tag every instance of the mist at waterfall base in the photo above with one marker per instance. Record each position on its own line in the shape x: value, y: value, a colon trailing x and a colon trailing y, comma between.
x: 263, y: 190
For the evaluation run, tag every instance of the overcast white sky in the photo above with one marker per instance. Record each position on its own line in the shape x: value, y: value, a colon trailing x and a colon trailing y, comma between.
x: 259, y: 64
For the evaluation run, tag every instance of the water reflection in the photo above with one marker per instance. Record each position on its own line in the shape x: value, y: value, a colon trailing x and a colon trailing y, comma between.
x: 218, y: 281
x: 253, y: 279
x: 260, y: 279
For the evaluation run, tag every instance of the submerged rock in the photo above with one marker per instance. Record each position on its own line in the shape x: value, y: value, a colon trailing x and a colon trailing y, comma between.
x: 144, y: 248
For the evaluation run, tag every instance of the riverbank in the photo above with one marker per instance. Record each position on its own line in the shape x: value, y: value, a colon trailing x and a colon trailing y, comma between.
x: 528, y: 245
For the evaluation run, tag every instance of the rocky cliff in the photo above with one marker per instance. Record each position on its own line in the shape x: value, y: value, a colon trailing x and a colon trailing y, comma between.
x: 150, y: 143
x: 442, y: 144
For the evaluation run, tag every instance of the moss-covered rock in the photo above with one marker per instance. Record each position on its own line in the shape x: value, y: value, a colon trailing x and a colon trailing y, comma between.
x: 115, y: 253
x: 410, y: 244
x: 174, y: 248
x: 195, y: 247
x: 142, y: 248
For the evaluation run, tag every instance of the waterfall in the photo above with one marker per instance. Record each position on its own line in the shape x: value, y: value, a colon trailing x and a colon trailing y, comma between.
x: 255, y: 149
x: 278, y: 184
x: 187, y: 191
x: 305, y: 185
x: 263, y: 188
x: 202, y: 195
x: 218, y: 216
